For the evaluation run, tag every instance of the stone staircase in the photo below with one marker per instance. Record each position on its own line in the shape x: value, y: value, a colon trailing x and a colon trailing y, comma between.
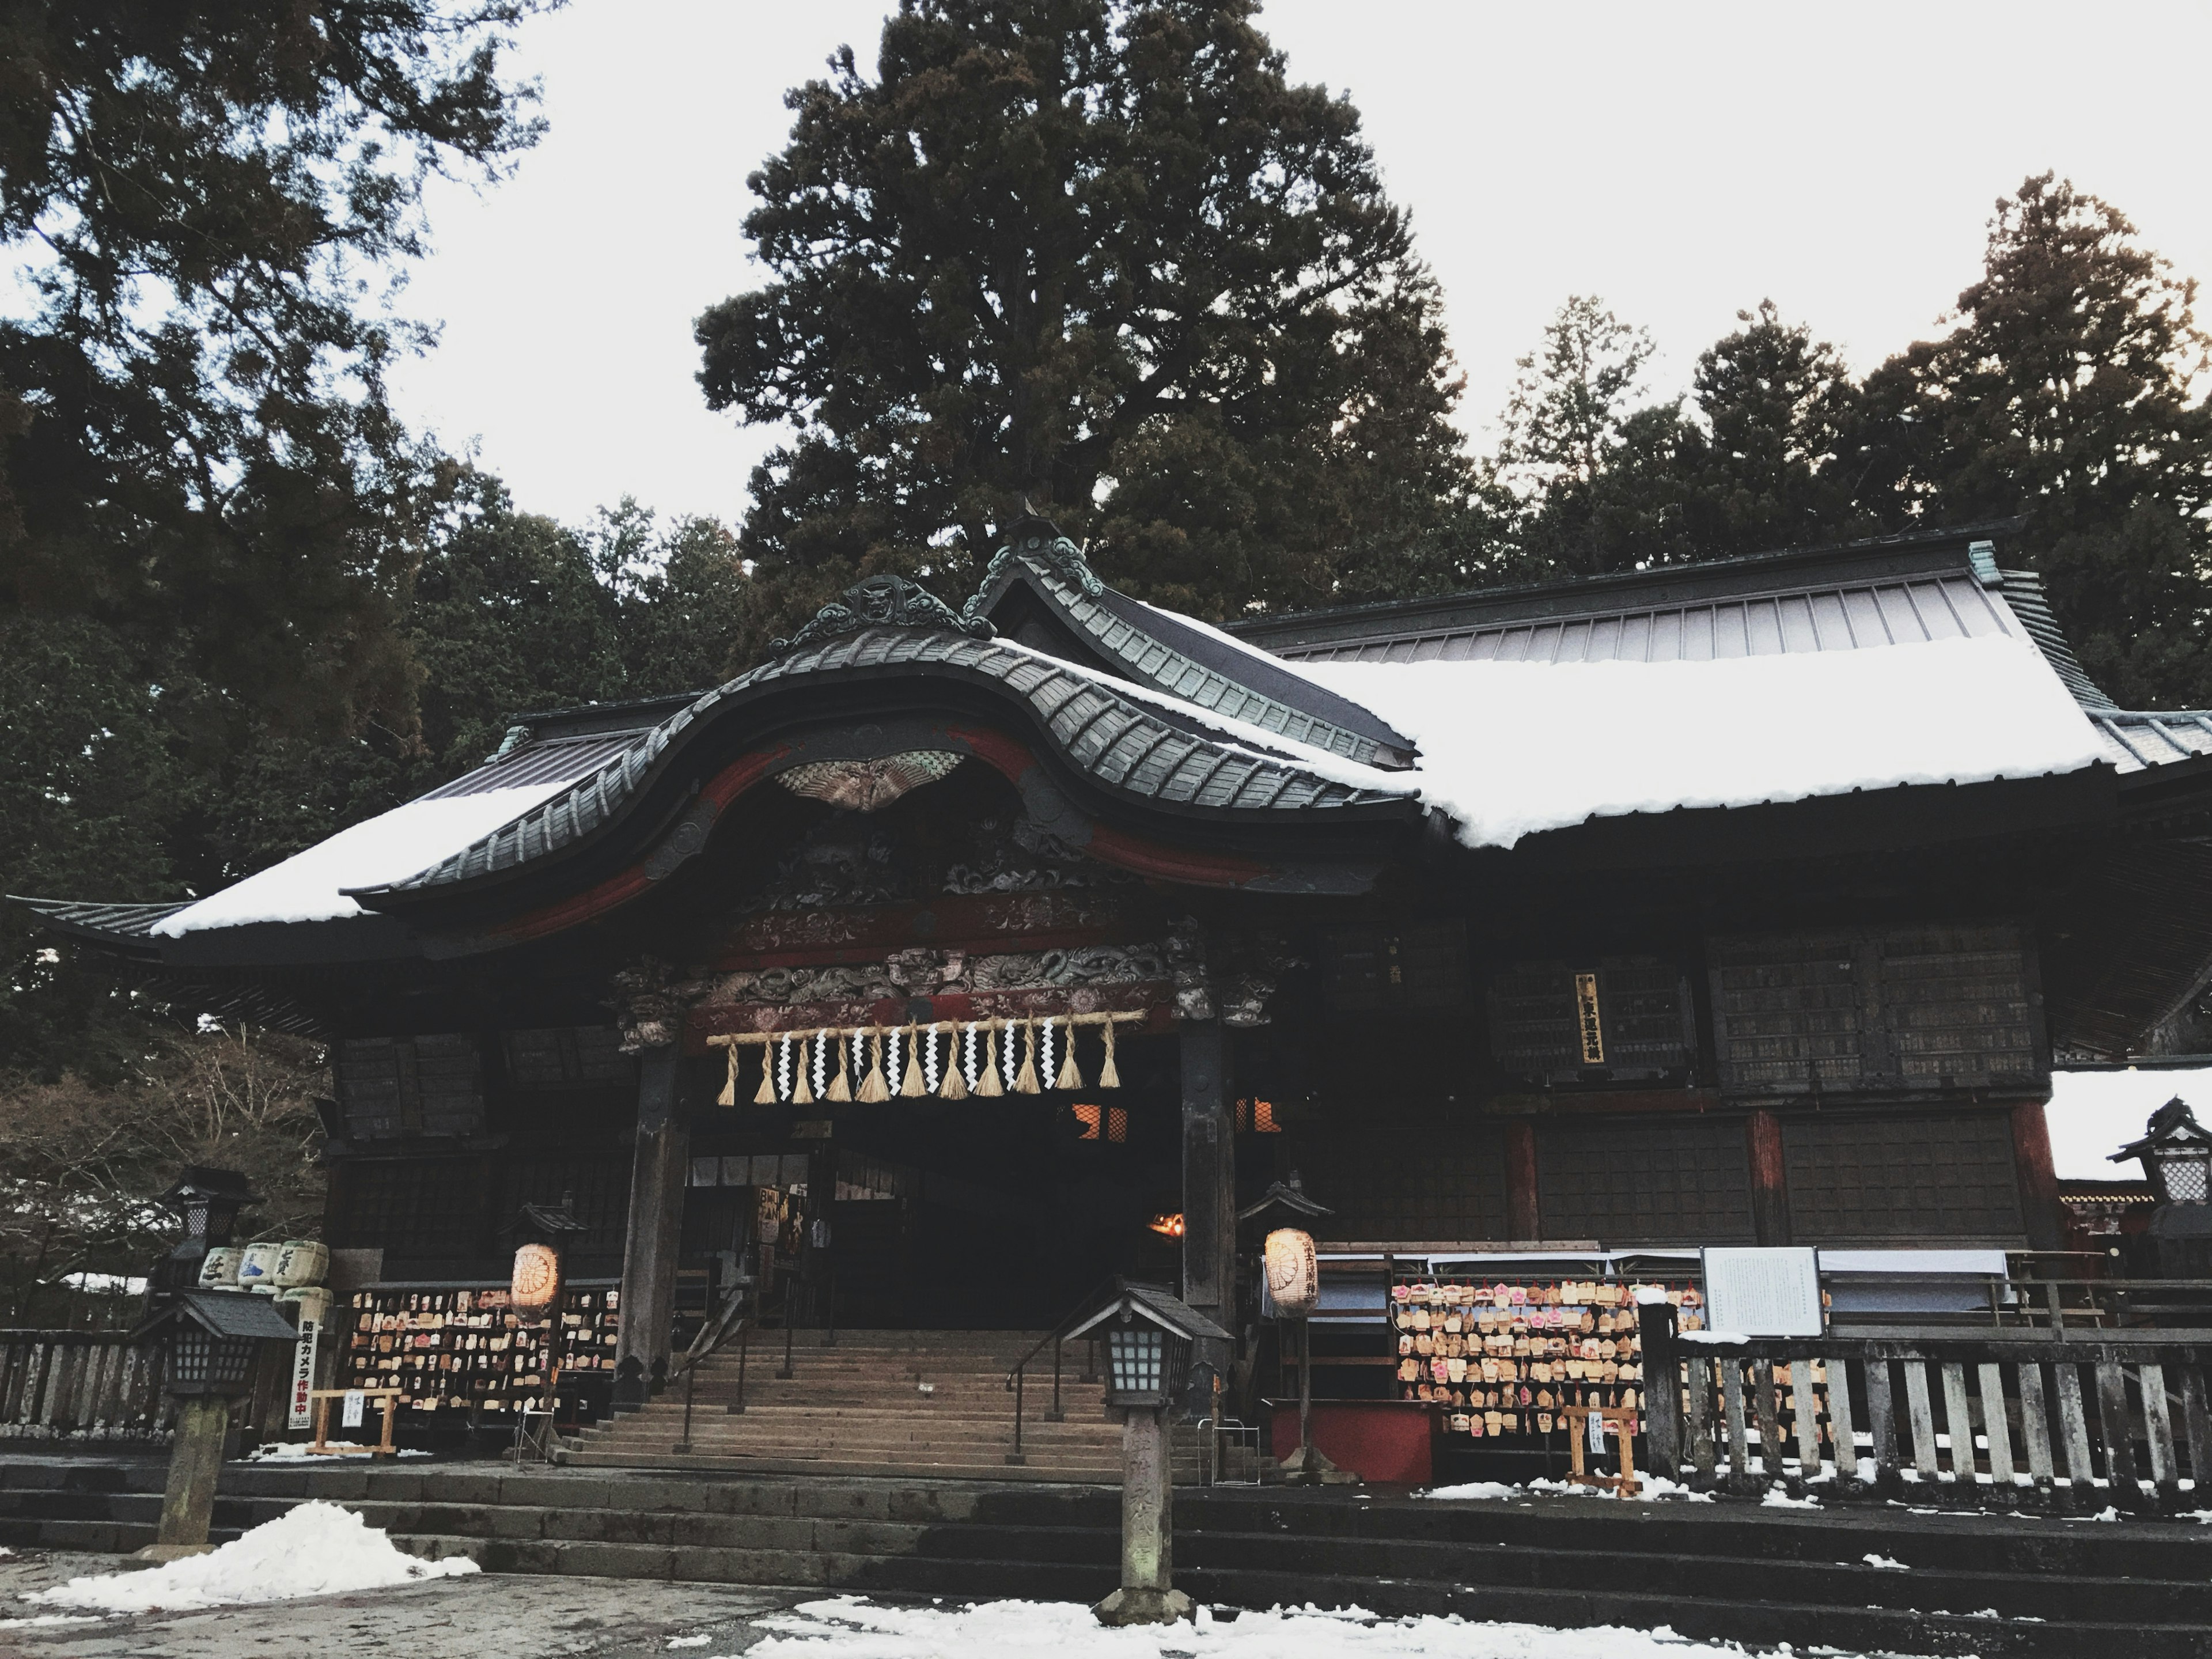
x: 872, y: 1402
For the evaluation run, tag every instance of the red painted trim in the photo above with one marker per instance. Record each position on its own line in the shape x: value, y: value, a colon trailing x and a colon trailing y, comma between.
x: 2038, y: 1174
x: 1770, y: 1189
x: 996, y: 749
x: 1146, y: 857
x: 553, y: 918
x: 1521, y: 1208
x: 1151, y: 858
x: 725, y: 786
x: 741, y: 774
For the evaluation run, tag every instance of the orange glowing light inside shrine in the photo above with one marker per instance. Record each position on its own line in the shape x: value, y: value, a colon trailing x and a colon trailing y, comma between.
x: 1167, y: 1226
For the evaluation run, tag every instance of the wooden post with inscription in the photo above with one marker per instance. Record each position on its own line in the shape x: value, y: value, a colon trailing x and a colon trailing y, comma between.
x: 655, y: 1231
x: 1209, y: 1191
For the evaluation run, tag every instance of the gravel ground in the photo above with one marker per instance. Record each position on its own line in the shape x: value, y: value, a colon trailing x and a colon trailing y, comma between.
x: 487, y: 1614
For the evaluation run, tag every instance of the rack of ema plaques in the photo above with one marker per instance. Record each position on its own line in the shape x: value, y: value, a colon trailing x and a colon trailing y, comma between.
x: 463, y: 1358
x: 1501, y: 1362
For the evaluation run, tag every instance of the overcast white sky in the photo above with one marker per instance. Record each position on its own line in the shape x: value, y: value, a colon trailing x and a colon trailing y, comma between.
x: 1681, y: 162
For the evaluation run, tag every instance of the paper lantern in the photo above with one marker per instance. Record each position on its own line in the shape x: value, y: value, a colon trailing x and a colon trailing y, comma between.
x: 1294, y: 1275
x: 535, y: 1284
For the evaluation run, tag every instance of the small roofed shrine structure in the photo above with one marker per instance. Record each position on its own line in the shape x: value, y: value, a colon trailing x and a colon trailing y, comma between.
x: 949, y: 961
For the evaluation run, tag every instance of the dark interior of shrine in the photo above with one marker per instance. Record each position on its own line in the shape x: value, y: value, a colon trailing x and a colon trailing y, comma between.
x: 974, y: 1214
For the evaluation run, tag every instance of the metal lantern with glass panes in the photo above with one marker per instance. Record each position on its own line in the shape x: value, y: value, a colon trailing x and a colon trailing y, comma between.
x: 214, y: 1340
x: 2176, y: 1154
x: 1148, y: 1334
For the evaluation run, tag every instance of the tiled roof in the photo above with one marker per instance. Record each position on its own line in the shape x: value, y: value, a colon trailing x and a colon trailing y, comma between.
x: 1210, y: 671
x: 2135, y: 740
x: 1129, y: 745
x: 1689, y: 615
x: 542, y: 760
x: 109, y: 920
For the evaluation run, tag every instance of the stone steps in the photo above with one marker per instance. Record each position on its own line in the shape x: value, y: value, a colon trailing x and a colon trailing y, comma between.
x: 855, y: 1406
x: 1724, y: 1571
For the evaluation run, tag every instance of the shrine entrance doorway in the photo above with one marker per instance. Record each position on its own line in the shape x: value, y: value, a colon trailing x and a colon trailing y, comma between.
x: 978, y: 1214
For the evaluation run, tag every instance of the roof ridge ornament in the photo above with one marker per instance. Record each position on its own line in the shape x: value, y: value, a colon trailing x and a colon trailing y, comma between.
x: 884, y: 601
x: 1035, y: 540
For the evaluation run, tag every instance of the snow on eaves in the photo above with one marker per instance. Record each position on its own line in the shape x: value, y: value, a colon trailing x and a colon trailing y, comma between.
x: 1510, y: 749
x: 310, y: 885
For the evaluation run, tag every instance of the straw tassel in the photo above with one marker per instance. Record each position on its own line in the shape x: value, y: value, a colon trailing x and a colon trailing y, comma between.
x: 872, y: 1087
x: 1025, y: 1080
x: 841, y: 1087
x: 765, y: 1096
x: 912, y: 1086
x: 953, y: 1085
x: 1109, y: 1076
x: 729, y: 1095
x: 802, y: 1093
x: 1069, y: 1077
x: 989, y: 1084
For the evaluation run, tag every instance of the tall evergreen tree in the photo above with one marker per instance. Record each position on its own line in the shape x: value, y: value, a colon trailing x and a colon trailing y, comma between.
x: 2072, y: 389
x: 198, y: 451
x: 1102, y: 256
x: 1777, y: 407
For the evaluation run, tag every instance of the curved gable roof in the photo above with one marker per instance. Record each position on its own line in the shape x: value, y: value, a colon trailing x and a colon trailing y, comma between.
x: 1146, y: 750
x: 1175, y: 655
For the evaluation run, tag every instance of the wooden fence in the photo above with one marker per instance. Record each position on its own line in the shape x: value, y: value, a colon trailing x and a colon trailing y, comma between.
x: 91, y: 1385
x: 2008, y: 1419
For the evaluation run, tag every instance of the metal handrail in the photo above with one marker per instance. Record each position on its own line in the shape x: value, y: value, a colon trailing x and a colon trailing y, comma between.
x: 1017, y: 1378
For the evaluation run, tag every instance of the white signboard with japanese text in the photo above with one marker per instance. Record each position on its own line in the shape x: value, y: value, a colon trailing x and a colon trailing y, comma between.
x: 303, y: 1368
x: 1763, y: 1292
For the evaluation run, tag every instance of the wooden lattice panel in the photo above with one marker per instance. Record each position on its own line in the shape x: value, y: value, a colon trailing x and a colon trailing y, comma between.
x: 1939, y: 1175
x: 1684, y: 1180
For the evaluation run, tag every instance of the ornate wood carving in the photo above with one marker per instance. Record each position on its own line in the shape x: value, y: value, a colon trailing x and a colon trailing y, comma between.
x: 881, y: 601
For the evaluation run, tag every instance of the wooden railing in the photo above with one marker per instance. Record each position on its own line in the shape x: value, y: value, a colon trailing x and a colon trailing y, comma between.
x: 94, y: 1385
x: 2006, y: 1418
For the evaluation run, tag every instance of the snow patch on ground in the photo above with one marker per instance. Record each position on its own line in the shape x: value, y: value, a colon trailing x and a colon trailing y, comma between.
x: 850, y: 1628
x: 1654, y: 1488
x: 286, y: 1452
x: 307, y: 886
x: 317, y: 1549
x: 1509, y: 749
x: 1778, y: 1497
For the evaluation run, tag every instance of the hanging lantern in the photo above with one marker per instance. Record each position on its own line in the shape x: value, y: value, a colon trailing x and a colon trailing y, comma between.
x: 535, y: 1284
x: 1293, y: 1273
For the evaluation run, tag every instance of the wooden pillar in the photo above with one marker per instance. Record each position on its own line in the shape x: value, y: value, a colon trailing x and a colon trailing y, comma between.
x: 1523, y: 1219
x: 1209, y: 1191
x: 655, y: 1231
x: 2039, y: 1207
x: 1770, y: 1189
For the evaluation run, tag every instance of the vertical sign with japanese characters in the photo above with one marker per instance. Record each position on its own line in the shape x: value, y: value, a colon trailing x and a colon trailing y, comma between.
x: 1587, y: 1026
x: 303, y: 1366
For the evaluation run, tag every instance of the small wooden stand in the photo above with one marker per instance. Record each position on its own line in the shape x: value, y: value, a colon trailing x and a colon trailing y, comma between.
x: 322, y: 1446
x: 1622, y: 1419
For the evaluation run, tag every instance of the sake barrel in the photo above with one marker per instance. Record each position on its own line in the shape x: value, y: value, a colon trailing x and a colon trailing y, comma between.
x: 256, y: 1267
x: 301, y: 1261
x: 219, y: 1270
x: 313, y: 1301
x: 1293, y: 1274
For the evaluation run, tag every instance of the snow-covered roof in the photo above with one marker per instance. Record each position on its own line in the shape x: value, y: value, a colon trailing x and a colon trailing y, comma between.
x: 310, y: 885
x: 1766, y: 681
x: 1510, y: 749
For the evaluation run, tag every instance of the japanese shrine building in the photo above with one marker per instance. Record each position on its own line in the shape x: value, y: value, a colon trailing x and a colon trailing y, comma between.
x: 1746, y: 901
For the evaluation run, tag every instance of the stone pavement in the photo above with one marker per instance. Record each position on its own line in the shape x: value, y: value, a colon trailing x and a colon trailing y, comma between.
x: 488, y: 1613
